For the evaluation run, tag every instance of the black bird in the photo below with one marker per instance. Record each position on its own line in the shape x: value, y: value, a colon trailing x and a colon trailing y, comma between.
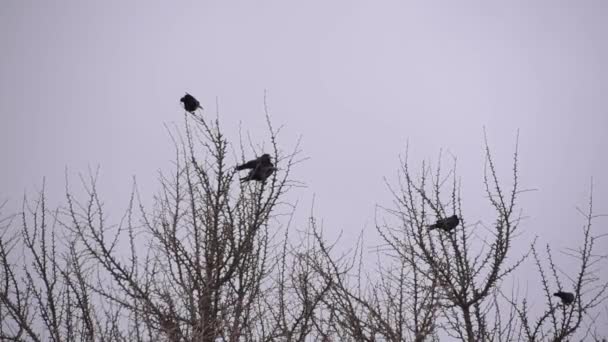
x: 261, y: 169
x: 190, y: 103
x: 446, y: 224
x: 566, y: 297
x: 264, y: 159
x: 260, y: 174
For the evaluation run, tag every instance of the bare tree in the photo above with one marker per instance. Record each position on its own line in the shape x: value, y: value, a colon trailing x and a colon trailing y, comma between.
x: 193, y: 268
x: 561, y: 320
x: 436, y: 273
x: 216, y: 259
x: 196, y: 263
x: 44, y: 294
x: 449, y: 281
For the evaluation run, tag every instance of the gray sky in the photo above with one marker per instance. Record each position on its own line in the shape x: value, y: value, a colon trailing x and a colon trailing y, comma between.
x: 87, y: 83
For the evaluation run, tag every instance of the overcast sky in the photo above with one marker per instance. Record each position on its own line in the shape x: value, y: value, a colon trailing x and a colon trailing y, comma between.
x: 93, y: 83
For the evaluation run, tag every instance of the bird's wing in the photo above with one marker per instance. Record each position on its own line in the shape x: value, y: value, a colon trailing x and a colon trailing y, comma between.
x: 248, y: 165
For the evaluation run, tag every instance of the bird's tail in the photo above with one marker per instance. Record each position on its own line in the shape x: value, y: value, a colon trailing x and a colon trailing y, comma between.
x: 432, y: 226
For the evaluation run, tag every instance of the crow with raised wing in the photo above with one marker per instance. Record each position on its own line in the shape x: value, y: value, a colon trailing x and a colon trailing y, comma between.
x: 260, y: 174
x: 190, y: 103
x: 566, y: 297
x: 264, y: 159
x: 260, y: 169
x: 446, y: 224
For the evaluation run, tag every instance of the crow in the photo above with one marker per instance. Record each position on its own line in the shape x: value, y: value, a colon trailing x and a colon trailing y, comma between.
x: 190, y: 103
x: 252, y: 164
x: 566, y: 297
x: 446, y: 224
x: 260, y: 169
x: 260, y: 174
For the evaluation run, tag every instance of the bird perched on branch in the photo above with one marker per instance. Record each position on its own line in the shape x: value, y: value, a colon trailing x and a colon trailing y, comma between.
x: 566, y: 297
x: 261, y: 168
x: 446, y: 224
x: 190, y: 103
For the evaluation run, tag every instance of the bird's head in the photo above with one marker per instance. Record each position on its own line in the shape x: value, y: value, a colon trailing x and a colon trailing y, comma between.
x: 265, y: 158
x: 183, y: 99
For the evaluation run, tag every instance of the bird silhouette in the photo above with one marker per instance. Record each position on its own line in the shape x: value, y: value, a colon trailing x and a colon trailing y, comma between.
x: 260, y: 169
x: 446, y: 224
x: 264, y: 159
x: 190, y: 103
x: 566, y: 297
